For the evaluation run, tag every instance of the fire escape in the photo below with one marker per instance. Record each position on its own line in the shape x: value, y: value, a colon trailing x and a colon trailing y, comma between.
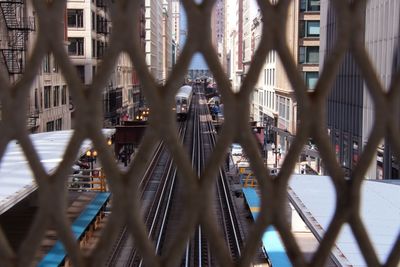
x: 13, y: 50
x: 112, y: 97
x: 13, y: 43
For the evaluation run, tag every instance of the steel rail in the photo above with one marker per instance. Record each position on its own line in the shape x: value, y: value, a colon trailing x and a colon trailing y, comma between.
x: 123, y: 236
x: 164, y: 203
x: 231, y: 224
x: 144, y: 185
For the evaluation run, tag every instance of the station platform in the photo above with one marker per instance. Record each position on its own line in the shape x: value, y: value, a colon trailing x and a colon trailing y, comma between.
x: 81, y: 225
x: 272, y: 245
x: 16, y: 178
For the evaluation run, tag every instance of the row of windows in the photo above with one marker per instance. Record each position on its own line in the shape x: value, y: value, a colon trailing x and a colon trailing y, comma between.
x: 310, y: 5
x: 75, y: 20
x: 266, y: 99
x: 51, y: 97
x: 55, y: 125
x: 49, y: 64
x: 76, y: 47
x: 269, y: 77
x: 271, y: 57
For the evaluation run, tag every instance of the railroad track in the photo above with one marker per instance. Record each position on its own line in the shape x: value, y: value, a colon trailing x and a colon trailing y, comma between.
x: 225, y: 208
x: 162, y: 209
x: 154, y: 187
x: 200, y: 141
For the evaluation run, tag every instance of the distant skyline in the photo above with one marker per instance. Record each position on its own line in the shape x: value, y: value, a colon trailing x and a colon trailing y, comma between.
x: 198, y: 62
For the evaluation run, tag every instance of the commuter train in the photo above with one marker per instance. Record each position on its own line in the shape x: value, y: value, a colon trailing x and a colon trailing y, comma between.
x: 182, y: 101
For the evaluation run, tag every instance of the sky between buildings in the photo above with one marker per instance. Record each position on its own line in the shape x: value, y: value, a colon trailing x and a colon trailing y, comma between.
x: 198, y: 62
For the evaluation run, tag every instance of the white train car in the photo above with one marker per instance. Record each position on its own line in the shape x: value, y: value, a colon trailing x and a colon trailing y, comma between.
x: 182, y: 100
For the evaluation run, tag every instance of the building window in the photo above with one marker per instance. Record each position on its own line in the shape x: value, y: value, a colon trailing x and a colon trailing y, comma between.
x: 46, y: 63
x: 309, y: 54
x: 273, y: 77
x: 36, y: 100
x: 64, y: 95
x: 311, y: 79
x: 265, y: 76
x: 100, y: 49
x: 56, y: 96
x: 47, y: 95
x: 81, y: 72
x: 75, y: 18
x: 93, y: 48
x: 58, y: 126
x: 55, y: 66
x: 310, y: 5
x: 76, y: 46
x: 287, y: 109
x: 309, y: 28
x: 101, y: 24
x: 50, y: 126
x: 93, y: 21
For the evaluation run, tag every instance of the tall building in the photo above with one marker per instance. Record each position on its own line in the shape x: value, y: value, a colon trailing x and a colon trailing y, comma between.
x: 264, y: 99
x: 274, y: 102
x: 136, y: 96
x: 218, y: 29
x: 89, y: 27
x: 167, y: 39
x: 303, y: 41
x: 350, y: 107
x: 234, y: 42
x: 154, y: 38
x: 250, y: 13
x: 175, y: 13
x: 48, y: 103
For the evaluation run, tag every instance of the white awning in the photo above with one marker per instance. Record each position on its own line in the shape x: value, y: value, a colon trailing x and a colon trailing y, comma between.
x: 16, y: 177
x: 314, y: 198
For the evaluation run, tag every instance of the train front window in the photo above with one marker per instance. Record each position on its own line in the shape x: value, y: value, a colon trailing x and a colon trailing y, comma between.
x: 184, y: 102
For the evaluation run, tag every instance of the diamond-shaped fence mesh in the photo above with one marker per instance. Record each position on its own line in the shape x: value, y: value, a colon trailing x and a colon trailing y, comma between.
x: 88, y: 125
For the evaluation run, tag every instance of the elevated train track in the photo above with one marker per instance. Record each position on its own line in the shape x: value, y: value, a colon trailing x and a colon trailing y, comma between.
x: 162, y: 209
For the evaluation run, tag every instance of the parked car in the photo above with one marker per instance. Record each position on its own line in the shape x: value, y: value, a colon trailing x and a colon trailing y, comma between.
x: 236, y: 150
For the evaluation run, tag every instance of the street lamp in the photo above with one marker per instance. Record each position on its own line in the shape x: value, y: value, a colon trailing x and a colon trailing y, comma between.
x: 277, y: 152
x: 91, y: 155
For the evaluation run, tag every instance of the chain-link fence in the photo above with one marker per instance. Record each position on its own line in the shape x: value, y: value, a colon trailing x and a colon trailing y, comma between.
x: 88, y: 124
